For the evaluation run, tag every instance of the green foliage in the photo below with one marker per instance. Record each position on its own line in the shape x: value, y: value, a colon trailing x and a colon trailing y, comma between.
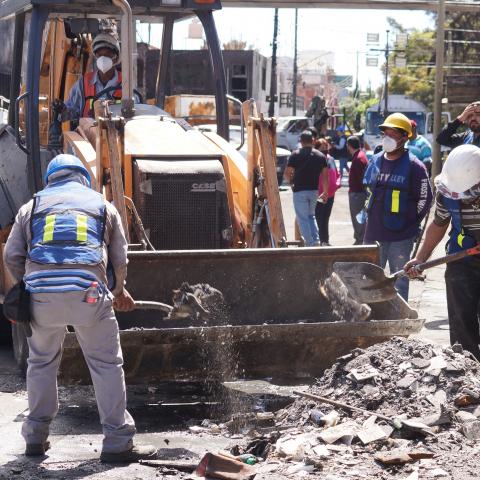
x: 355, y: 108
x: 461, y: 50
x: 417, y: 80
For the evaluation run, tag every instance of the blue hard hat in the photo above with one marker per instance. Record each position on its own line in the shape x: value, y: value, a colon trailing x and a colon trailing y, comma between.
x: 65, y: 161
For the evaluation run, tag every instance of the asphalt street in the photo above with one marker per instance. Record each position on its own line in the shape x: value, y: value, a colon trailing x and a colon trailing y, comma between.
x: 76, y: 435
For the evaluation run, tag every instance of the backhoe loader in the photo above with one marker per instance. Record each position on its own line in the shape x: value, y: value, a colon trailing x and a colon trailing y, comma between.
x: 194, y: 209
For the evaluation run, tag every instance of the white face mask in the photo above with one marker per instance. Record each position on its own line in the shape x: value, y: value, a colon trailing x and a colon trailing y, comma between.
x: 389, y: 144
x: 104, y: 64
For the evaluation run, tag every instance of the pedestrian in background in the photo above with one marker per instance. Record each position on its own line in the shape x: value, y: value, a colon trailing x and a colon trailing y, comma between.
x: 340, y: 151
x: 356, y: 189
x: 457, y: 205
x: 398, y: 197
x: 60, y: 245
x: 323, y: 209
x: 470, y: 117
x: 419, y: 146
x: 304, y: 169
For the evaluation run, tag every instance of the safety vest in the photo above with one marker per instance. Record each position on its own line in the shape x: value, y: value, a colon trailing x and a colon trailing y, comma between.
x: 67, y: 225
x: 89, y: 93
x: 468, y: 140
x: 395, y: 206
x: 459, y: 238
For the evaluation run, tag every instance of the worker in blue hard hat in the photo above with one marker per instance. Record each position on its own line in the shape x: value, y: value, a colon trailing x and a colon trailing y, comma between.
x: 59, y: 246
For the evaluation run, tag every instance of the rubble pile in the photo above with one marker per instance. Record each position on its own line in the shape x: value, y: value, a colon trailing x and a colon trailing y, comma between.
x: 420, y: 419
x: 399, y: 377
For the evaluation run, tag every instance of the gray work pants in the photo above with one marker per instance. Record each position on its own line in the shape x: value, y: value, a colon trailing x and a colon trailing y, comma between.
x: 96, y: 329
x: 357, y: 203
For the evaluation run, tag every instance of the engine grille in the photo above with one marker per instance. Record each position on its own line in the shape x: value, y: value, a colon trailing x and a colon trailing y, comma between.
x: 183, y: 204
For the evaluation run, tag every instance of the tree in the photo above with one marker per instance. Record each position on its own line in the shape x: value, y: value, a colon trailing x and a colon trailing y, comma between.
x: 417, y: 79
x: 394, y: 25
x: 462, y: 50
x: 355, y: 109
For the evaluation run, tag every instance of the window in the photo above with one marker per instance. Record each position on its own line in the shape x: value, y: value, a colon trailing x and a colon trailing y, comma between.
x: 239, y: 82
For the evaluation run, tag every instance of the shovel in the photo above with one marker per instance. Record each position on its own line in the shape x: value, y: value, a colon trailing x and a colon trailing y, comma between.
x: 144, y: 305
x: 367, y: 282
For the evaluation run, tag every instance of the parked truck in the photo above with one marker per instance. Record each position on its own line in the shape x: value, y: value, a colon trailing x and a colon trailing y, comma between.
x: 413, y: 109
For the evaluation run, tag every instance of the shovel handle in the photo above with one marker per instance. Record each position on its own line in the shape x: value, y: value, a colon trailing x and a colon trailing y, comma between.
x: 453, y: 257
x: 144, y: 305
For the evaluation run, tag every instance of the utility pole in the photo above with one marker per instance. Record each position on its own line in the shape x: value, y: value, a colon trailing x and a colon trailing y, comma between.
x: 437, y: 106
x: 273, y: 76
x: 295, y: 67
x: 356, y: 78
x: 387, y: 50
x: 385, y: 91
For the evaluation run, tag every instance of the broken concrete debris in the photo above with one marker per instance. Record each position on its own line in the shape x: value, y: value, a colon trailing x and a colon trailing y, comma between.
x: 402, y: 409
x: 396, y: 404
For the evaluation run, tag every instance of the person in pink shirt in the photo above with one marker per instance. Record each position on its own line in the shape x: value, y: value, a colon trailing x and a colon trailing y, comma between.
x: 323, y: 210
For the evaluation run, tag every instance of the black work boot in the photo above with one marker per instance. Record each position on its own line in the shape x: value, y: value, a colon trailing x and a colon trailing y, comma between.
x: 134, y: 454
x: 36, y: 449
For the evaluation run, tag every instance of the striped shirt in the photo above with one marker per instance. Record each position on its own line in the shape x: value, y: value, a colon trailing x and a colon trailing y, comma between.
x: 470, y: 216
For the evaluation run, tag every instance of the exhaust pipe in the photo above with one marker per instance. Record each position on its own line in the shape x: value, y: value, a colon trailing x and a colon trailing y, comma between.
x: 127, y: 39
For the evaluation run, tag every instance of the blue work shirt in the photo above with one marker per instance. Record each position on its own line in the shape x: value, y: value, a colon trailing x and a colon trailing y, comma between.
x: 76, y: 99
x: 421, y: 148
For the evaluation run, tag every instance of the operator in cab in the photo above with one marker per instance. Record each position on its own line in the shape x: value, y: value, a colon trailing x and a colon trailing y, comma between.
x: 106, y: 77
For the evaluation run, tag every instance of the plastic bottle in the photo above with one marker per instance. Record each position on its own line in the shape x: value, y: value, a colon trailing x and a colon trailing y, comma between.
x: 92, y: 295
x: 317, y: 416
x: 248, y: 458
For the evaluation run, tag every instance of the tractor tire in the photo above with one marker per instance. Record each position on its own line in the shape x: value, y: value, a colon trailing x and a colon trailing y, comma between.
x: 20, y: 347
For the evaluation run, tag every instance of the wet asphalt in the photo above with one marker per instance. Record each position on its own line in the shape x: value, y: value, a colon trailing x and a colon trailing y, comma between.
x: 76, y: 434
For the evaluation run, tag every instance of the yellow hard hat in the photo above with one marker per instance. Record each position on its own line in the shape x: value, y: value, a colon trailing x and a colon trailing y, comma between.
x: 397, y: 120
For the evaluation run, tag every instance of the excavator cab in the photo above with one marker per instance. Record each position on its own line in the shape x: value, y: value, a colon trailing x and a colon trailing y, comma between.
x: 204, y: 207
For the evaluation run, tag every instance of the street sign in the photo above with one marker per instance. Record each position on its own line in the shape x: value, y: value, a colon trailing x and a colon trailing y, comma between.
x: 373, y: 37
x: 372, y: 61
x: 401, y: 40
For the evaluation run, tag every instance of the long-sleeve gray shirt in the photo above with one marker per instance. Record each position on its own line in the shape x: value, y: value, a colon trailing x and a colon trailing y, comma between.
x: 114, y: 249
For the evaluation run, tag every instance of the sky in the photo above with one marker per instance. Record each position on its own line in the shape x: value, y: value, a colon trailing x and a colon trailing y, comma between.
x: 342, y: 31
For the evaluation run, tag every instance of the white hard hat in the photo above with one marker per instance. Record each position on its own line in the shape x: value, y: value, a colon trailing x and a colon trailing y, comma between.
x: 105, y: 40
x: 460, y: 172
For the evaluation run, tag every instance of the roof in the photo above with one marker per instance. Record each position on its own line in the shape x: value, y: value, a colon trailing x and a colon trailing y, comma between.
x: 101, y: 7
x: 401, y: 103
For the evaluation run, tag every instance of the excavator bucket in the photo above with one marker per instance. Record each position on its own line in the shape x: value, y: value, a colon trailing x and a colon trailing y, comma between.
x: 275, y: 321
